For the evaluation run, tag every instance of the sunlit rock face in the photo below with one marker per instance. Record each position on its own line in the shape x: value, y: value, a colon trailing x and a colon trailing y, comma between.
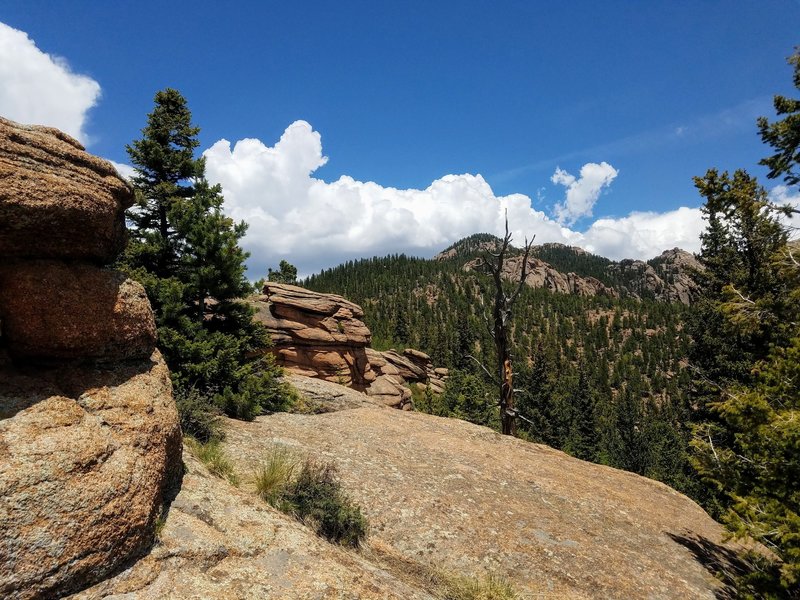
x: 90, y: 440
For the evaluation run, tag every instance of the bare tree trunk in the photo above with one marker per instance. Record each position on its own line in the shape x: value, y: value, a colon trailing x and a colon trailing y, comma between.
x: 502, y: 314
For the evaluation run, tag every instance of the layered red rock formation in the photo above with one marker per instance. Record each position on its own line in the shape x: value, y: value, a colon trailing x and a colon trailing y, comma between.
x: 317, y: 335
x: 89, y: 433
x: 396, y: 373
x: 323, y: 336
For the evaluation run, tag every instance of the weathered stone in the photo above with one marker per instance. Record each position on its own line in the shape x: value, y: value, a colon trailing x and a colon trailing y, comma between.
x: 540, y: 274
x: 85, y: 457
x: 404, y: 365
x: 417, y: 356
x: 319, y: 396
x: 668, y: 277
x: 51, y: 309
x: 468, y: 500
x: 57, y: 200
x: 322, y: 335
x: 437, y: 387
x: 223, y: 543
x: 312, y: 333
x: 376, y: 358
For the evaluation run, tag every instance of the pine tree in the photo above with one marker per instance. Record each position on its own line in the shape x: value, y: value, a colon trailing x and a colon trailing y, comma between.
x: 582, y: 439
x: 748, y: 444
x: 185, y: 251
x: 165, y: 170
x: 286, y: 273
x: 784, y: 135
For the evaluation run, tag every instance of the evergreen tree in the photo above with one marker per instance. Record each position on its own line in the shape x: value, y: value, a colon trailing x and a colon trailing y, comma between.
x: 185, y: 251
x: 784, y: 135
x: 165, y: 170
x: 582, y: 439
x: 287, y: 273
x: 748, y: 445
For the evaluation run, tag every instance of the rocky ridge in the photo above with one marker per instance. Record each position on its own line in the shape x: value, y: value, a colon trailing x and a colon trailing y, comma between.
x: 89, y: 433
x: 540, y: 274
x: 666, y: 278
x: 323, y: 336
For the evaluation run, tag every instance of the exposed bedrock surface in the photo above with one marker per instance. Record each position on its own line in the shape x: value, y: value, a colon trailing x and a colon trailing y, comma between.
x: 461, y: 497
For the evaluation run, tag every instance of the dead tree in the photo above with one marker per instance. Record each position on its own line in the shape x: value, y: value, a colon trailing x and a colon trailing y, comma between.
x: 500, y: 328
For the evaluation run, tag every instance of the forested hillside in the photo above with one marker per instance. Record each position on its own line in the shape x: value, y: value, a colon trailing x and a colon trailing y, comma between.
x: 600, y: 377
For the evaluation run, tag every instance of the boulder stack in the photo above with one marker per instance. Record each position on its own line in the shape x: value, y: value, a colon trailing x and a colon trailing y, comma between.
x: 317, y: 335
x: 89, y: 433
x: 323, y: 336
x: 396, y: 373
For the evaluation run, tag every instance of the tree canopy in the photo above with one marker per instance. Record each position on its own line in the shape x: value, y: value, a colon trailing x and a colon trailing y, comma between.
x: 746, y: 356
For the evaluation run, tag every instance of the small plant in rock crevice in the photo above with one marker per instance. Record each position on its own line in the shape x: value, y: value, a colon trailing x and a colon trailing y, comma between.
x: 214, y: 458
x: 311, y: 492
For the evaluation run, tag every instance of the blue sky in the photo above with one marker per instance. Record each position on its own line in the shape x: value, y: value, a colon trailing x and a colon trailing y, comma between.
x: 585, y: 111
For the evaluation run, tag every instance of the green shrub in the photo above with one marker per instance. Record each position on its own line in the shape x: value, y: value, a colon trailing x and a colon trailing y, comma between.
x: 199, y: 417
x: 316, y: 497
x: 259, y: 390
x: 214, y: 458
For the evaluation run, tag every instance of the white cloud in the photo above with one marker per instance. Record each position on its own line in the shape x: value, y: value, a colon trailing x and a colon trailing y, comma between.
x: 38, y: 88
x: 316, y: 224
x: 784, y: 196
x: 583, y: 192
x: 644, y: 234
x: 126, y: 171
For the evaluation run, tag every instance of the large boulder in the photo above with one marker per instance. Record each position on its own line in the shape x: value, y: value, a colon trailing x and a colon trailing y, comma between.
x: 57, y: 200
x: 51, y: 309
x: 86, y: 457
x: 89, y: 432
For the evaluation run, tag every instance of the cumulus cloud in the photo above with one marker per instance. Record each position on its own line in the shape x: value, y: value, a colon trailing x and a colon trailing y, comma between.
x: 316, y: 224
x: 582, y: 192
x: 644, y: 234
x: 39, y: 88
x: 292, y: 214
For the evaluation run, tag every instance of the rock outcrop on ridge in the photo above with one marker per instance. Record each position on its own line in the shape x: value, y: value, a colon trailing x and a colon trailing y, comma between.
x: 460, y: 497
x: 570, y: 269
x: 540, y: 274
x: 323, y: 336
x: 89, y: 433
x: 668, y: 277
